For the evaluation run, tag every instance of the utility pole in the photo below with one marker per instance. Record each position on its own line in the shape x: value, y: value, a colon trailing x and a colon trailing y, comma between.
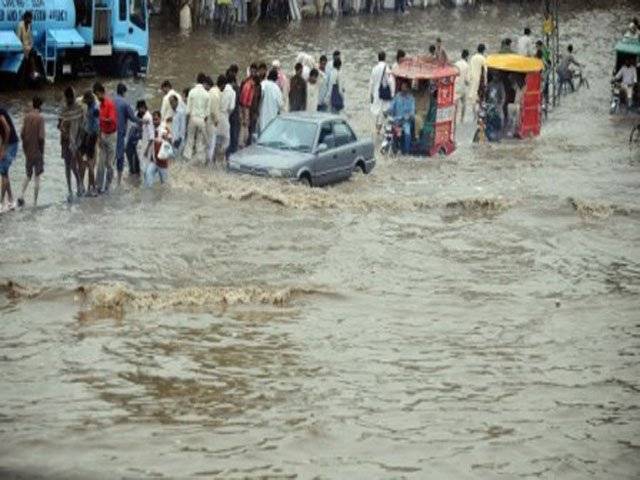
x: 552, y: 40
x: 556, y: 55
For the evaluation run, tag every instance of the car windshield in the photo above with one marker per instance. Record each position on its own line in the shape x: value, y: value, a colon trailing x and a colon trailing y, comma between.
x: 289, y: 134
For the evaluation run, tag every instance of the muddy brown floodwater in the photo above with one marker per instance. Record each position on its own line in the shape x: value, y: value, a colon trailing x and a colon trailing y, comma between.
x: 474, y: 316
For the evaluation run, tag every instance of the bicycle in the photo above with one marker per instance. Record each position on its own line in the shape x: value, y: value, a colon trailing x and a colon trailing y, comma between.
x: 564, y: 84
x: 582, y: 80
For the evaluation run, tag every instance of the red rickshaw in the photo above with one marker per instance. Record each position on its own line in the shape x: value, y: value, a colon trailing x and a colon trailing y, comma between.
x: 432, y: 85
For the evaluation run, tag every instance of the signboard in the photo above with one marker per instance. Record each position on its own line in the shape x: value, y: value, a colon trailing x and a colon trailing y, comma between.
x: 445, y: 114
x: 11, y: 11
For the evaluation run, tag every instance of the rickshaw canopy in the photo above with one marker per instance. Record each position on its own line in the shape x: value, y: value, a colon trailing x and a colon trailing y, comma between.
x: 511, y: 62
x: 423, y: 68
x: 628, y: 45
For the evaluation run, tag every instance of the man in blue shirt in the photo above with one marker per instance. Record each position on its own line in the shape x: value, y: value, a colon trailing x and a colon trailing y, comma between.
x: 125, y: 114
x: 325, y: 67
x: 403, y: 111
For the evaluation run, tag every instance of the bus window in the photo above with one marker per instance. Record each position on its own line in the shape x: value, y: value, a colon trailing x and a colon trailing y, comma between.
x: 122, y: 10
x: 83, y: 12
x: 138, y: 15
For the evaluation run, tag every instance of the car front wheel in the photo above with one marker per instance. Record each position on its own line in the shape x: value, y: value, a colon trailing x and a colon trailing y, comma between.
x: 305, y: 179
x: 360, y: 167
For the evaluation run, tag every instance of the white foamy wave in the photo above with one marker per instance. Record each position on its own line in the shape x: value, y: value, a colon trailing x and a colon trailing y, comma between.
x: 117, y: 298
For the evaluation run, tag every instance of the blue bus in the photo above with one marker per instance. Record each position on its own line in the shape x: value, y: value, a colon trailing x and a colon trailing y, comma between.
x: 75, y: 37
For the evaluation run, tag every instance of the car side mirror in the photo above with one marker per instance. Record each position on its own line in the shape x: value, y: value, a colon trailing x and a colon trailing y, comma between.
x: 323, y: 147
x: 254, y: 138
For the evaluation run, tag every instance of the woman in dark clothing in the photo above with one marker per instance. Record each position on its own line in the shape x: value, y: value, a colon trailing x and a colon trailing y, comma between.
x: 234, y: 117
x: 298, y: 91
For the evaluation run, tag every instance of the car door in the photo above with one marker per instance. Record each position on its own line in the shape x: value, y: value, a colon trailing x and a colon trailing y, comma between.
x: 327, y: 161
x: 130, y: 33
x: 345, y: 149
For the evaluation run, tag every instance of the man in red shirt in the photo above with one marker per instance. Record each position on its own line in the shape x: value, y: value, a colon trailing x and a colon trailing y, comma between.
x: 108, y: 138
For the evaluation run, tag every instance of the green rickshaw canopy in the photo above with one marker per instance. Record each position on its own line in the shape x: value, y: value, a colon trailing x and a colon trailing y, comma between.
x: 628, y: 45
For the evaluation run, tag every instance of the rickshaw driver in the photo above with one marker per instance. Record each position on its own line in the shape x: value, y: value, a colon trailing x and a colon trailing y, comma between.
x: 403, y: 111
x: 628, y: 75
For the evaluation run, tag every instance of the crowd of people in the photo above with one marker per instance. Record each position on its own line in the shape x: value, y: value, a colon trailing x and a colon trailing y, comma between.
x: 101, y: 134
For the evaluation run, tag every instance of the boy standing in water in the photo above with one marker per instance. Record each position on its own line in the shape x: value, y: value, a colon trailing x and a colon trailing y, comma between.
x: 32, y: 136
x: 90, y: 128
x: 70, y: 126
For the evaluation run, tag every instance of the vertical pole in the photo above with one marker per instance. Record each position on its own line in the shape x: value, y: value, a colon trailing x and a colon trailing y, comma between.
x: 550, y: 75
x: 556, y: 54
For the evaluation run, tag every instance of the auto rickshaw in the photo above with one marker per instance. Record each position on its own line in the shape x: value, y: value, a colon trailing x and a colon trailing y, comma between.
x: 432, y: 85
x: 626, y: 49
x: 518, y: 114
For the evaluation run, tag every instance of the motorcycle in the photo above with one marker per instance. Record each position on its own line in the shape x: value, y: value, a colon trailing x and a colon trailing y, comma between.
x: 391, y: 137
x: 481, y: 135
x: 616, y: 97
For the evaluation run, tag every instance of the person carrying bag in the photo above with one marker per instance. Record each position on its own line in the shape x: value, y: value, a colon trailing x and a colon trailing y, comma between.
x: 337, y: 97
x: 384, y: 89
x: 163, y: 153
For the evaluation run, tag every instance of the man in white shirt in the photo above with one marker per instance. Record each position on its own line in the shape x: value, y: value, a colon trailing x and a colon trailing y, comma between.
x: 477, y: 75
x: 462, y: 85
x: 215, y: 94
x: 168, y: 91
x: 178, y: 125
x: 283, y: 83
x: 271, y: 101
x: 227, y: 104
x: 307, y: 64
x: 148, y: 134
x: 628, y: 75
x: 525, y: 44
x: 313, y: 90
x: 632, y: 32
x: 380, y: 81
x: 198, y: 110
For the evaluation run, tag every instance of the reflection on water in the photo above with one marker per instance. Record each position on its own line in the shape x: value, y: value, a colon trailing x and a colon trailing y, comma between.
x: 471, y: 316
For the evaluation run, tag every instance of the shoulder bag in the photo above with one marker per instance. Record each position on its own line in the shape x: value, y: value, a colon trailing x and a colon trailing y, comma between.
x: 384, y: 91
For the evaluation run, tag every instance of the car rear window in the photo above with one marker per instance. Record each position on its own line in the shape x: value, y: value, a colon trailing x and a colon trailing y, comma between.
x: 343, y: 134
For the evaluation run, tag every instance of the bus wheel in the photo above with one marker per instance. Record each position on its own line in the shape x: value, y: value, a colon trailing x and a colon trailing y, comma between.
x: 128, y: 67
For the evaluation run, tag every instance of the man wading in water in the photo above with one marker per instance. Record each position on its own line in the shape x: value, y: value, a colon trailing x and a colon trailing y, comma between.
x: 32, y: 136
x: 70, y: 124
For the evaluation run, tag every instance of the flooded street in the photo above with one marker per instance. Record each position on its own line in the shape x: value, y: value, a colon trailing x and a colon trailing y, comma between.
x: 471, y: 316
